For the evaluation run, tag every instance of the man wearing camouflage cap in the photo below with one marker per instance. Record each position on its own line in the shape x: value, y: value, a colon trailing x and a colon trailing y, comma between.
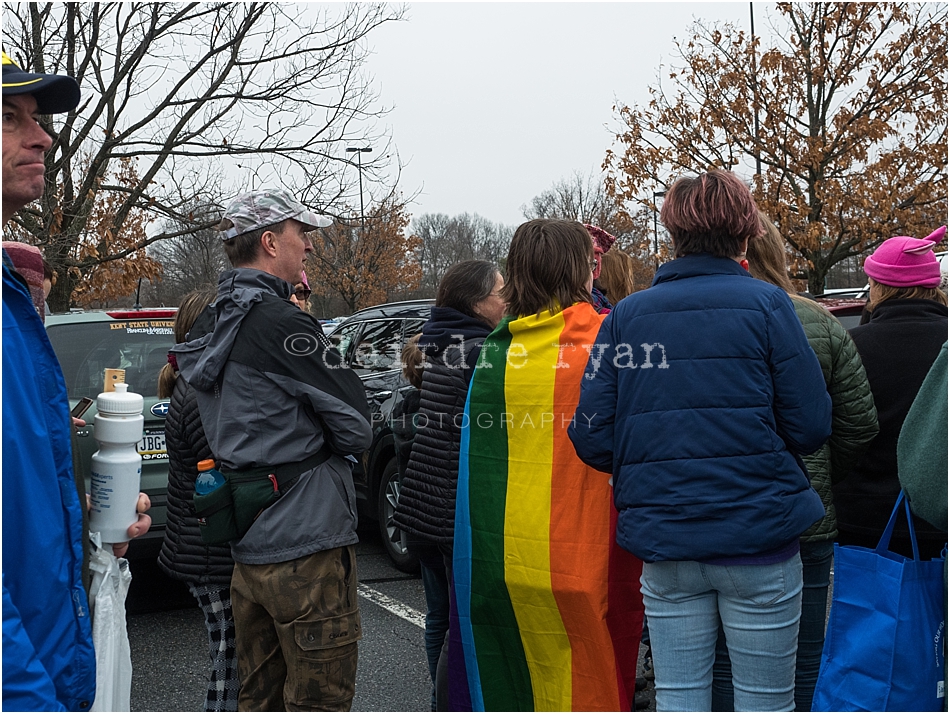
x: 273, y: 396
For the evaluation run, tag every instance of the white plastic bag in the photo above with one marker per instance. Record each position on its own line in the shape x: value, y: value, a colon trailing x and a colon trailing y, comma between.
x: 110, y: 585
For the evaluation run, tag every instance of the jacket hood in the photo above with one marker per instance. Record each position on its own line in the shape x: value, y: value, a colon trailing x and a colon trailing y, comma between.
x: 200, y: 361
x: 447, y: 326
x: 690, y: 266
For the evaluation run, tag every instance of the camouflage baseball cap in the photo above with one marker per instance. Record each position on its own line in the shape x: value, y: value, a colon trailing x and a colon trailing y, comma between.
x: 265, y: 207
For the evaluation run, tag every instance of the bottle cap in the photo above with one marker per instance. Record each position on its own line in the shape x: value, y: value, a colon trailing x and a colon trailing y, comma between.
x: 206, y: 464
x: 121, y: 402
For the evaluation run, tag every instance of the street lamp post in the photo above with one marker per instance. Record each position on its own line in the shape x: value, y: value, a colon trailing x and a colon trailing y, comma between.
x: 656, y: 247
x: 755, y: 96
x: 359, y: 167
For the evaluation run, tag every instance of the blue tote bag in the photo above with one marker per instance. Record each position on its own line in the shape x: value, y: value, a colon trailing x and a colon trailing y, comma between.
x: 884, y: 648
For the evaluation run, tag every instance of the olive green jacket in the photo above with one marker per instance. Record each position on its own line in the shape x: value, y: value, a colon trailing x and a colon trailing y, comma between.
x: 853, y: 416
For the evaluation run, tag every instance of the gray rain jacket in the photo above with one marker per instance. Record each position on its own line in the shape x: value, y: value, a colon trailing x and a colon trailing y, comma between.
x: 271, y: 391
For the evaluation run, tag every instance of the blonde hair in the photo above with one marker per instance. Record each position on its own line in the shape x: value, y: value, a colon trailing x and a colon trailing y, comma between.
x: 192, y: 305
x: 766, y: 255
x: 916, y: 292
x: 616, y: 275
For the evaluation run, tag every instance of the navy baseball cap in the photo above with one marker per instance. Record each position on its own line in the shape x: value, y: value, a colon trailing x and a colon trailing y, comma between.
x: 54, y: 93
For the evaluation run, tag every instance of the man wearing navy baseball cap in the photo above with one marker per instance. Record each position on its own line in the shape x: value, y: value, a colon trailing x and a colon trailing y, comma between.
x: 48, y: 658
x: 25, y: 142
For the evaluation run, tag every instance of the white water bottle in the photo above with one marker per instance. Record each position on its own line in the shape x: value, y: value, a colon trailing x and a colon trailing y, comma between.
x: 117, y: 465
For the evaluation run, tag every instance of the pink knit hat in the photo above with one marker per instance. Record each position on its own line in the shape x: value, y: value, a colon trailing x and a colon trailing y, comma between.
x: 602, y: 239
x: 602, y: 242
x: 906, y: 262
x: 303, y: 279
x: 28, y: 261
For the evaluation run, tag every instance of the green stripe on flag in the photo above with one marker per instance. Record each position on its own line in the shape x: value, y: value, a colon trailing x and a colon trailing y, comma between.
x: 500, y: 653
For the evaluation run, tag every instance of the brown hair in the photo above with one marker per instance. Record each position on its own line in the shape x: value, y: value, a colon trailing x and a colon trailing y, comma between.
x: 766, y: 256
x: 244, y: 249
x: 616, y: 275
x: 192, y: 305
x: 916, y: 292
x: 412, y: 361
x: 466, y: 284
x: 712, y: 213
x: 548, y: 266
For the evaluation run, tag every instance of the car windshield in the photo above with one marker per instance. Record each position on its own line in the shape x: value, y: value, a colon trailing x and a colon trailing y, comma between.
x: 85, y: 350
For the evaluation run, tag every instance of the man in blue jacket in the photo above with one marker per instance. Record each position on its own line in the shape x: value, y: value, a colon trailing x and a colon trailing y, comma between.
x: 48, y: 659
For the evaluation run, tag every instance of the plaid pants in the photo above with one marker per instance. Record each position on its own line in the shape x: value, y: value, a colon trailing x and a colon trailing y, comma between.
x: 223, y: 682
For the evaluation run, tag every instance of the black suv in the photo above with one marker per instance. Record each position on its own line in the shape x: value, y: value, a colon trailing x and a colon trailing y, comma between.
x: 371, y: 343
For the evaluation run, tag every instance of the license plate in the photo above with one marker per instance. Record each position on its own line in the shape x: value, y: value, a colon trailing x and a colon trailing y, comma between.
x: 152, y: 445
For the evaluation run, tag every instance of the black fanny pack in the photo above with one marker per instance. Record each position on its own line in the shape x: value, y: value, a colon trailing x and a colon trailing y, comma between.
x: 227, y: 512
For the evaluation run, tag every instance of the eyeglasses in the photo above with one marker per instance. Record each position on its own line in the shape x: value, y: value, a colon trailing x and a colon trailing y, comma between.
x: 303, y: 293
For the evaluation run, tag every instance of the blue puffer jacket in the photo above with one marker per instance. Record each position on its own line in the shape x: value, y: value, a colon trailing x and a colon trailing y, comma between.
x: 699, y: 396
x: 48, y: 659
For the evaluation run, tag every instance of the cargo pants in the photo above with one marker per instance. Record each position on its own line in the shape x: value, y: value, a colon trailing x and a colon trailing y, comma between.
x: 297, y: 627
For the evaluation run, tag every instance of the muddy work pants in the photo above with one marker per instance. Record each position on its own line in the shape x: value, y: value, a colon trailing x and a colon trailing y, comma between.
x: 297, y: 626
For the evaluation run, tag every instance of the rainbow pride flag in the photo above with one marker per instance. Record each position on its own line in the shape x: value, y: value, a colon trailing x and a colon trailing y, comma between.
x: 546, y: 608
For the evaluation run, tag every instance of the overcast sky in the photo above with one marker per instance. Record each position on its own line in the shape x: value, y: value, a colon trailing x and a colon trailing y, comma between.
x: 493, y: 102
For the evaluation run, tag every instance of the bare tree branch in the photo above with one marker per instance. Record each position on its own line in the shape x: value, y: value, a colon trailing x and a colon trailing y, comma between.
x: 262, y: 93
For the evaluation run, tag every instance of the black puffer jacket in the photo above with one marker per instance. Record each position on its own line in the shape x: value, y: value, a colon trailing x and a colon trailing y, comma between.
x: 898, y: 347
x: 451, y: 342
x: 404, y: 421
x: 184, y: 556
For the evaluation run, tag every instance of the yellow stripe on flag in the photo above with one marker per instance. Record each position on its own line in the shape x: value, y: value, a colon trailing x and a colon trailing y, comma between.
x: 529, y: 396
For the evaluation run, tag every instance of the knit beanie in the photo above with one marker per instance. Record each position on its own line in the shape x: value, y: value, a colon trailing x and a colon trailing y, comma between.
x: 303, y: 279
x: 602, y: 242
x: 602, y: 239
x: 905, y: 262
x: 28, y: 262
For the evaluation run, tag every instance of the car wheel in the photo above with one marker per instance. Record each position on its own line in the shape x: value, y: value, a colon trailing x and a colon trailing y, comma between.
x: 394, y: 539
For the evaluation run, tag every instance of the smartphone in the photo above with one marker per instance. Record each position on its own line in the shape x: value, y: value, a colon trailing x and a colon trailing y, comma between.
x: 81, y: 408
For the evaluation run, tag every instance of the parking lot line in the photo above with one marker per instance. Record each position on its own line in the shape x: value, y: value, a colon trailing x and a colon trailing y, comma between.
x: 394, y: 606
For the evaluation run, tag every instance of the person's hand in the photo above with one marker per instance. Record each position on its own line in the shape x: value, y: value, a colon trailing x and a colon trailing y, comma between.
x: 78, y: 422
x: 138, y: 528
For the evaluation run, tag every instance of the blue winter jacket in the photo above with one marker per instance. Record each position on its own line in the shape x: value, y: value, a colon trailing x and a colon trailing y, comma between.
x: 699, y: 395
x: 48, y: 658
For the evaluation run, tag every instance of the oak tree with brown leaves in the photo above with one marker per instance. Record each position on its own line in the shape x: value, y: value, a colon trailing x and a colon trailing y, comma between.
x: 255, y: 94
x: 107, y: 248
x: 361, y: 262
x: 850, y: 100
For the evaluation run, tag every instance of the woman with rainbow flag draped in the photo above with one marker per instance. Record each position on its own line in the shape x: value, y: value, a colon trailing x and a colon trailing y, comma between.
x: 546, y: 613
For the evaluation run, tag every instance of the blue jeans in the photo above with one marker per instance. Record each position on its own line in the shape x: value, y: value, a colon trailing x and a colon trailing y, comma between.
x: 816, y: 570
x: 435, y: 584
x: 759, y: 607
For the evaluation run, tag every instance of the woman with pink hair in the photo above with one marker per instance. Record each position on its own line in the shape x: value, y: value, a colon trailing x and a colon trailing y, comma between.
x: 699, y: 400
